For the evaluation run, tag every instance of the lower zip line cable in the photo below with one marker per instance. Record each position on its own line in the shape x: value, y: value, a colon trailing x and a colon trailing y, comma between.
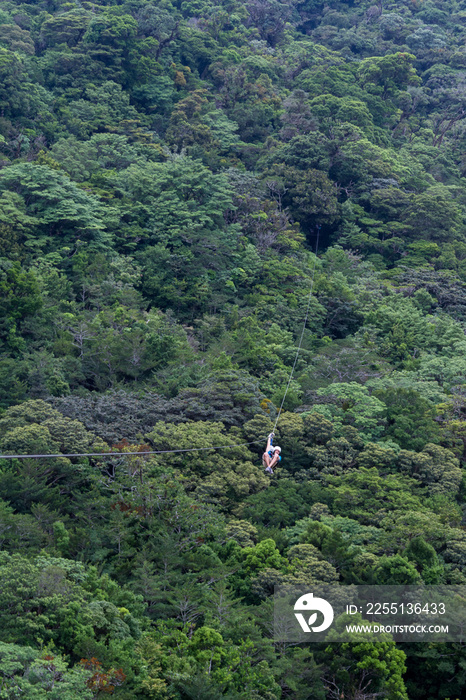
x: 302, y: 332
x: 130, y: 454
x: 190, y: 449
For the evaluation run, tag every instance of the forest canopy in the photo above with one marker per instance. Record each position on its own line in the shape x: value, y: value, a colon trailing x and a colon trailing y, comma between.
x: 175, y: 178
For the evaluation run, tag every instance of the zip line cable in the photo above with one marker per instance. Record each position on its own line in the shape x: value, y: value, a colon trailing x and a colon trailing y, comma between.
x: 131, y: 454
x: 191, y: 449
x: 302, y: 332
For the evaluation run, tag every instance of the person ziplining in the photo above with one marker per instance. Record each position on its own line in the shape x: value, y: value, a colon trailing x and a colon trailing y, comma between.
x: 271, y: 456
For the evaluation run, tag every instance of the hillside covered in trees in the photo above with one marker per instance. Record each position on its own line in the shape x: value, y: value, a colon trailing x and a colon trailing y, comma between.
x: 169, y: 170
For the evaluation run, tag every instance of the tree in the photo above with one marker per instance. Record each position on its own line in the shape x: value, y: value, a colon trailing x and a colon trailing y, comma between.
x: 311, y: 197
x: 67, y: 28
x: 38, y: 675
x: 54, y: 606
x: 386, y: 75
x: 297, y: 117
x: 366, y: 496
x: 180, y: 196
x: 396, y: 571
x: 410, y: 418
x: 436, y: 467
x: 186, y: 126
x: 343, y: 110
x: 35, y: 428
x: 270, y: 17
x: 109, y: 39
x: 433, y: 215
x: 354, y: 405
x: 103, y: 106
x: 424, y: 556
x: 160, y: 24
x: 81, y: 160
x: 20, y: 298
x: 279, y: 506
x: 434, y: 669
x: 66, y: 216
x: 361, y: 667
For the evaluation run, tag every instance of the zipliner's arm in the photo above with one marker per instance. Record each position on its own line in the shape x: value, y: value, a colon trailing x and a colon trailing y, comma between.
x: 269, y: 442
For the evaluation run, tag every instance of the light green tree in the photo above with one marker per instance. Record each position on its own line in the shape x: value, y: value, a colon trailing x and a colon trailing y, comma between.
x: 360, y: 665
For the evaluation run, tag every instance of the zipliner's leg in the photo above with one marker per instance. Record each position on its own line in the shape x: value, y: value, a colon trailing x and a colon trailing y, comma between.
x: 266, y: 461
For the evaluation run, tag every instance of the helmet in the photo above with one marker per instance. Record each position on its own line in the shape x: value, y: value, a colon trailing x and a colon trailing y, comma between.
x: 277, y: 449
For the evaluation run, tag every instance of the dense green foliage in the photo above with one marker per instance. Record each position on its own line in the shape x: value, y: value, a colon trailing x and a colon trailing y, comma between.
x: 166, y: 171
